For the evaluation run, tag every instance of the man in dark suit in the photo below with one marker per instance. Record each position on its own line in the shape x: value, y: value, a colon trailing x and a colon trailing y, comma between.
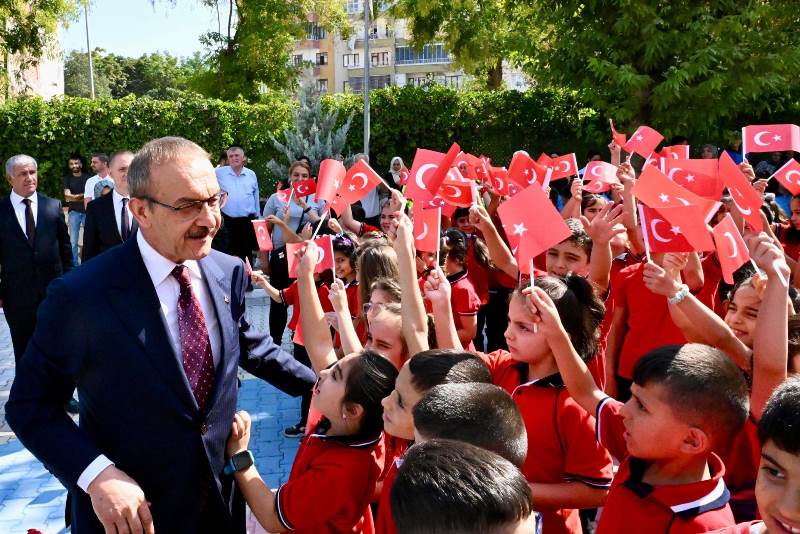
x: 109, y: 221
x: 34, y: 249
x: 152, y: 332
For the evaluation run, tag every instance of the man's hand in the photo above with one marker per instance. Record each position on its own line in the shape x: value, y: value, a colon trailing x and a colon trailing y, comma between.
x: 119, y: 503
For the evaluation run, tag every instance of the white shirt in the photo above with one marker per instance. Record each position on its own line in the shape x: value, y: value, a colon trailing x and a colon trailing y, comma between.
x: 117, y: 198
x: 372, y: 203
x: 88, y: 190
x: 167, y: 289
x: 20, y: 207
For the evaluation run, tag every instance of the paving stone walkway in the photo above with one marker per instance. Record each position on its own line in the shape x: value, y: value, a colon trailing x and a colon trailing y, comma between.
x: 31, y: 498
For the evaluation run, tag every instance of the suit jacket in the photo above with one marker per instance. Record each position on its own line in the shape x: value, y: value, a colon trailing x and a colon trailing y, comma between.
x: 25, y: 271
x: 136, y: 405
x: 100, y: 230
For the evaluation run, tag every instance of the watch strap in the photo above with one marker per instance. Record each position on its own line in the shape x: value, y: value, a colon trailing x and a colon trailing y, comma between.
x: 238, y: 462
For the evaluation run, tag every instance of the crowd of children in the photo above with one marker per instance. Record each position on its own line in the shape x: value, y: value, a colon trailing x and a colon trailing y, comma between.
x: 615, y: 390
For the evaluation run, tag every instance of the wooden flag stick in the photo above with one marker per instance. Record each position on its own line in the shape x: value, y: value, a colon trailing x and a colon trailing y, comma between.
x: 533, y: 280
x: 321, y: 220
x: 644, y: 234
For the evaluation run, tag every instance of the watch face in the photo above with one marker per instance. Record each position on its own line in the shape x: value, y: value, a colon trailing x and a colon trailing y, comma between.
x: 242, y: 460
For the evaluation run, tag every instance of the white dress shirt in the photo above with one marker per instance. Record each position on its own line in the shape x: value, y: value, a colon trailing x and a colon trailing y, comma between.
x: 167, y: 289
x: 20, y: 207
x: 117, y: 198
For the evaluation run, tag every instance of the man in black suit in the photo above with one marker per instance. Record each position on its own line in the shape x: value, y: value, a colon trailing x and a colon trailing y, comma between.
x: 153, y: 333
x: 34, y: 249
x: 108, y: 218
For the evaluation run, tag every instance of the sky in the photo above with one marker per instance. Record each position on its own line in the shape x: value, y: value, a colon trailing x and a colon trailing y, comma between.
x: 135, y: 27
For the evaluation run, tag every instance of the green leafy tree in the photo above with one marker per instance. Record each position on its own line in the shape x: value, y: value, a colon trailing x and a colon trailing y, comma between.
x: 27, y: 29
x: 684, y: 67
x: 76, y: 75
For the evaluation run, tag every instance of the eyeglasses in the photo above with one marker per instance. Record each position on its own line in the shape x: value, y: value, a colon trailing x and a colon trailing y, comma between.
x: 378, y: 306
x: 192, y: 209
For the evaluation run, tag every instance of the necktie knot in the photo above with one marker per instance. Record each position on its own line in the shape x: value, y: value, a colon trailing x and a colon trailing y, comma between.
x: 181, y: 274
x: 124, y: 201
x: 26, y: 201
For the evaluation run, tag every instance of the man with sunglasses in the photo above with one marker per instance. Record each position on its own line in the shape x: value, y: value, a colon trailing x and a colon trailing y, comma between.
x: 157, y: 375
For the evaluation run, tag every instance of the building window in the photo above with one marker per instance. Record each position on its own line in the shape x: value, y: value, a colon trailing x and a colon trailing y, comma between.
x: 375, y: 82
x: 430, y: 53
x: 322, y: 59
x: 379, y: 59
x: 354, y: 6
x: 351, y: 60
x: 322, y: 86
x: 315, y: 32
x: 297, y: 60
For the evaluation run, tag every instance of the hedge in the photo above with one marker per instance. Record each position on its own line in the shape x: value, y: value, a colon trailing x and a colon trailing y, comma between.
x: 403, y: 118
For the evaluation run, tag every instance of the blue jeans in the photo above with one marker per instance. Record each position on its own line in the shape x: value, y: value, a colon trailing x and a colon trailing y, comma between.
x: 76, y: 219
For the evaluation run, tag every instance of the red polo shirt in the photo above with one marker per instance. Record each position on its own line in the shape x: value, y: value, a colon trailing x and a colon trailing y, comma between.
x: 478, y: 274
x: 742, y: 457
x: 290, y: 297
x: 790, y: 244
x: 648, y: 321
x: 384, y: 522
x: 330, y: 486
x: 561, y: 446
x: 676, y: 509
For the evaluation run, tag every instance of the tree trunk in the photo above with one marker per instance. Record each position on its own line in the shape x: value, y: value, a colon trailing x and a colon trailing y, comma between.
x: 494, y: 78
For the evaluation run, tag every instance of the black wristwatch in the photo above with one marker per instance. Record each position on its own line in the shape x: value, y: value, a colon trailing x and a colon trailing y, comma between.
x: 307, y: 209
x: 239, y: 462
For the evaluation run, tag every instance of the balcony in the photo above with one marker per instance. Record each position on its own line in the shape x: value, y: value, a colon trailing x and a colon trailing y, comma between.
x: 431, y: 54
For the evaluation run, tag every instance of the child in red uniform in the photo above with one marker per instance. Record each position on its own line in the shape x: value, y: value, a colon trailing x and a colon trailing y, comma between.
x: 344, y: 248
x: 687, y: 400
x: 420, y: 373
x: 755, y: 336
x: 454, y: 487
x: 334, y: 474
x: 566, y: 468
x: 464, y: 299
x: 778, y: 485
x: 789, y: 233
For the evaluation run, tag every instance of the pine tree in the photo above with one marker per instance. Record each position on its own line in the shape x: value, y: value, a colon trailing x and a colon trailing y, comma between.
x: 313, y: 134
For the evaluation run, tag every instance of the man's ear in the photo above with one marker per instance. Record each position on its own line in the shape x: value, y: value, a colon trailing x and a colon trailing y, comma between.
x: 696, y: 441
x: 140, y: 212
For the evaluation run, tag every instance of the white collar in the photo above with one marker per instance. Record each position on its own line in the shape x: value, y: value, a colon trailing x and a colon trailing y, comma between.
x: 159, y: 267
x: 118, y: 197
x: 17, y: 199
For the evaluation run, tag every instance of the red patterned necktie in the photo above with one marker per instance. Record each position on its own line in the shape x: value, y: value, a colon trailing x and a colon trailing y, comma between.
x: 198, y: 362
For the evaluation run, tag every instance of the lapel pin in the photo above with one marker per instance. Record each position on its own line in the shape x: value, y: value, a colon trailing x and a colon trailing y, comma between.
x: 226, y: 299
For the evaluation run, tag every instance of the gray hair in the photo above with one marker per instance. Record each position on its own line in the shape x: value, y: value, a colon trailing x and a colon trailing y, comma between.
x: 19, y: 159
x: 158, y: 152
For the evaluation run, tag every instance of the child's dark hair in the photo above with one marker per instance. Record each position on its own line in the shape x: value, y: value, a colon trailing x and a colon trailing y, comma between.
x: 793, y: 341
x: 446, y: 366
x: 780, y: 422
x: 375, y: 259
x: 590, y: 199
x: 579, y: 237
x: 388, y: 286
x: 455, y: 246
x: 481, y: 414
x: 370, y: 379
x: 579, y: 308
x: 346, y: 244
x: 703, y: 386
x: 446, y: 487
x: 791, y: 234
x: 458, y: 213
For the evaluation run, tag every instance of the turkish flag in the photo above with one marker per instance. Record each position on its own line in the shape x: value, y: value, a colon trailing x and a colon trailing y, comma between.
x: 659, y: 234
x: 457, y: 190
x: 404, y: 174
x: 524, y: 171
x: 303, y: 188
x: 338, y: 204
x: 690, y: 223
x: 324, y: 261
x: 602, y: 175
x: 545, y: 160
x: 676, y: 152
x: 437, y: 202
x: 789, y: 176
x: 248, y: 269
x: 262, y: 235
x: 427, y: 227
x: 284, y: 194
x: 700, y: 176
x: 654, y: 189
x: 498, y: 180
x: 359, y: 180
x: 746, y: 199
x: 618, y: 138
x: 770, y: 138
x: 731, y: 249
x: 643, y: 141
x: 532, y: 224
x: 563, y: 166
x: 426, y: 162
x: 331, y: 175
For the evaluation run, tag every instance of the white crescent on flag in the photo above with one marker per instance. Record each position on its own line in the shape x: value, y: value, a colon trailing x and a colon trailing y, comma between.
x: 671, y: 172
x: 262, y: 233
x: 734, y: 193
x: 302, y: 189
x: 363, y: 177
x: 456, y: 193
x: 421, y: 172
x: 734, y: 247
x: 566, y: 166
x: 596, y: 168
x: 789, y: 174
x: 495, y: 181
x: 653, y: 223
x: 757, y: 138
x: 424, y: 232
x: 321, y: 255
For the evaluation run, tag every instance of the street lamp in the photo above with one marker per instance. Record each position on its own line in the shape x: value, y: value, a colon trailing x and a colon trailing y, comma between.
x: 366, y: 77
x: 88, y: 47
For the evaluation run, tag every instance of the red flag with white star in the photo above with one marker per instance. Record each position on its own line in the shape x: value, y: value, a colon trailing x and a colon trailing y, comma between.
x: 789, y: 176
x: 563, y: 167
x: 532, y: 224
x: 618, y: 138
x: 770, y: 138
x: 643, y: 141
x: 427, y: 227
x: 359, y: 180
x: 325, y: 260
x: 654, y: 189
x: 600, y: 176
x: 331, y: 175
x: 303, y: 188
x: 262, y: 235
x: 429, y: 171
x: 746, y: 199
x: 700, y: 176
x: 662, y: 235
x: 524, y: 171
x: 731, y: 249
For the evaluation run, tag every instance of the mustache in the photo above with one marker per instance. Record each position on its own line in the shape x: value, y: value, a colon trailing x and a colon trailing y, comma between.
x: 201, y: 233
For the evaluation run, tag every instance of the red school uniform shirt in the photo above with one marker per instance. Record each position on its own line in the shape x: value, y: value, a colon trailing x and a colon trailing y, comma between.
x: 712, y: 276
x: 648, y: 321
x: 791, y: 247
x: 290, y: 297
x: 384, y: 522
x: 478, y: 274
x: 464, y: 299
x: 354, y: 307
x: 330, y: 486
x: 676, y: 509
x: 561, y: 444
x: 742, y: 458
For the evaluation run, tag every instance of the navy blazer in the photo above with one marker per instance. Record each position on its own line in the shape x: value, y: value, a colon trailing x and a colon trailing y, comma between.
x: 26, y: 271
x: 100, y: 231
x: 101, y: 328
